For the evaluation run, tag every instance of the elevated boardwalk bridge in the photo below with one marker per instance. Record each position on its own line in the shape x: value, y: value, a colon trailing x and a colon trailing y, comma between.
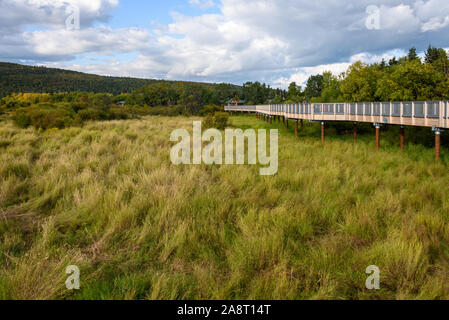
x: 432, y: 114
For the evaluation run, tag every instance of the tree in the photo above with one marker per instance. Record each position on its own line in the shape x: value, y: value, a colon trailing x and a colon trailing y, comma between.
x: 314, y: 86
x: 438, y: 58
x: 393, y: 61
x: 412, y: 81
x: 256, y: 92
x: 294, y: 92
x: 431, y: 55
x: 360, y: 82
x: 331, y: 88
x: 412, y: 55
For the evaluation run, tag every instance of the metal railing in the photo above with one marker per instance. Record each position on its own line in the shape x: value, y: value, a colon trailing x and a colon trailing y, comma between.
x: 416, y: 113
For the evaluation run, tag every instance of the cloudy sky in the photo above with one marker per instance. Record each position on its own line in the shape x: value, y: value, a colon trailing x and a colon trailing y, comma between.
x: 275, y: 41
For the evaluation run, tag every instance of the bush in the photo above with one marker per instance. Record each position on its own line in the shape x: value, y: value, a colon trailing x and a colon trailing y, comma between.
x: 118, y: 114
x: 43, y: 118
x: 210, y: 109
x: 165, y: 111
x: 92, y: 114
x: 220, y: 120
x: 22, y: 120
x: 209, y: 122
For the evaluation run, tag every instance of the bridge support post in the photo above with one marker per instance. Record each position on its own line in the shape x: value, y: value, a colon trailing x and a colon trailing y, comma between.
x: 402, y: 137
x: 302, y: 124
x: 286, y: 123
x: 355, y: 131
x: 271, y: 120
x: 377, y: 135
x: 279, y: 119
x: 323, y: 132
x: 437, y: 143
x: 296, y: 127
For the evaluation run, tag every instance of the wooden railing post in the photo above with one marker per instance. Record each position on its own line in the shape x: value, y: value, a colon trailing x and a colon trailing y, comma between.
x: 296, y: 127
x: 355, y: 131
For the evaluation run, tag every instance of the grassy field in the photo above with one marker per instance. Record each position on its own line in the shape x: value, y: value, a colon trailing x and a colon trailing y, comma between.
x: 106, y: 197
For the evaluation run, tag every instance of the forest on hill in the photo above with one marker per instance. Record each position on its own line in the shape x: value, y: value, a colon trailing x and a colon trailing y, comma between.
x: 16, y: 78
x: 53, y: 98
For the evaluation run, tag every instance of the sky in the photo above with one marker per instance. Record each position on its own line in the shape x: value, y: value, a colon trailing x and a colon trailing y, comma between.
x: 233, y: 41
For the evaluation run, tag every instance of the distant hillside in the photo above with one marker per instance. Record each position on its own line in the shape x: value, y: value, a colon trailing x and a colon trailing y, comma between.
x: 20, y: 78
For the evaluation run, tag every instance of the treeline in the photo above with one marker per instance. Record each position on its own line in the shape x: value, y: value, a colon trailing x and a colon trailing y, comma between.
x: 53, y: 98
x: 59, y: 110
x: 193, y: 97
x: 15, y: 78
x: 408, y: 78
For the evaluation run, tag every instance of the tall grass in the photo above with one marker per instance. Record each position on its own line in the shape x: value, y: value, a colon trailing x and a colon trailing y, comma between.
x: 106, y: 197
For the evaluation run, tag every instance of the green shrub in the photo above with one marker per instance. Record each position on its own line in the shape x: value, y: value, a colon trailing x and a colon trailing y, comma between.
x: 118, y: 114
x: 21, y: 119
x: 210, y: 109
x: 209, y: 122
x: 219, y: 120
x: 49, y: 118
x: 43, y: 117
x: 93, y: 114
x: 172, y: 111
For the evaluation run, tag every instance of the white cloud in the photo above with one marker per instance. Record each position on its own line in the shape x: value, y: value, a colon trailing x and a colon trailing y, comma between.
x: 435, y: 24
x: 202, y: 4
x: 52, y: 13
x: 274, y: 41
x: 61, y: 42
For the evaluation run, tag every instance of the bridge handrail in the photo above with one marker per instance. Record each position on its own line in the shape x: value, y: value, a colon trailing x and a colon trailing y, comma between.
x: 418, y: 113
